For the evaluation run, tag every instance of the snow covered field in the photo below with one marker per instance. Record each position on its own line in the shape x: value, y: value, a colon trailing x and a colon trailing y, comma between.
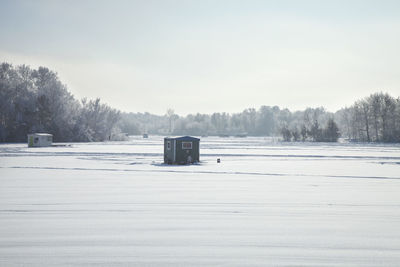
x: 265, y: 204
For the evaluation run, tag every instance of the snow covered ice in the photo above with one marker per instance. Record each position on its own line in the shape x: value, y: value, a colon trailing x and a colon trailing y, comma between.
x: 266, y: 204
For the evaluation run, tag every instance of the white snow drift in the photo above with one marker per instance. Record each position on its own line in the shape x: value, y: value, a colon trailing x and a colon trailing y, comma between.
x: 265, y: 204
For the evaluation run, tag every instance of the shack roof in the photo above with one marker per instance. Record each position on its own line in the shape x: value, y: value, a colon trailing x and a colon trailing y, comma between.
x: 41, y: 134
x: 182, y: 138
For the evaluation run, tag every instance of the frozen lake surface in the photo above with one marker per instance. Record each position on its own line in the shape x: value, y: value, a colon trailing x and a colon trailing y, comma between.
x: 266, y: 204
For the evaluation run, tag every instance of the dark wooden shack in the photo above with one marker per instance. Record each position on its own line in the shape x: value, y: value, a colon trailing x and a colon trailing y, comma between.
x: 181, y: 150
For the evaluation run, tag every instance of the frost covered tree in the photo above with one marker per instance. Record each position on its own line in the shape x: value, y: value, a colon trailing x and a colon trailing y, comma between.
x: 331, y: 131
x: 35, y: 100
x: 286, y: 133
x: 374, y: 118
x: 170, y: 114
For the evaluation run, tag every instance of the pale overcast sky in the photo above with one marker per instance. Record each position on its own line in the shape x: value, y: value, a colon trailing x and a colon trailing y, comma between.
x: 207, y: 56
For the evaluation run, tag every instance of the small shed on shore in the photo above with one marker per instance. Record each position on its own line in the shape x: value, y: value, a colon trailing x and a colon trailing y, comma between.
x: 181, y: 150
x: 40, y: 139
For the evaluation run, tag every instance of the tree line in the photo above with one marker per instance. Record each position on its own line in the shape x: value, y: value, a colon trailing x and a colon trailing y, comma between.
x: 375, y: 118
x: 35, y: 100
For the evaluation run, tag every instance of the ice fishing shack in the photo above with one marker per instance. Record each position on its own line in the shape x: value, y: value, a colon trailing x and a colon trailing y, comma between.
x: 181, y: 150
x: 40, y: 139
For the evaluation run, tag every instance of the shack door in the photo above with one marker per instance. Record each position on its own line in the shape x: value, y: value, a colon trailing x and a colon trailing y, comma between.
x: 30, y: 140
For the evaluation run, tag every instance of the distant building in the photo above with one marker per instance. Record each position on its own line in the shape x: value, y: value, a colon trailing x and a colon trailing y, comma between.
x: 181, y: 150
x: 40, y: 139
x: 241, y: 135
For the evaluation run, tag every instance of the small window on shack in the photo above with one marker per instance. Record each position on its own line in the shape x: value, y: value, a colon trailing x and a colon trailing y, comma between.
x: 168, y: 145
x: 36, y: 140
x: 186, y: 145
